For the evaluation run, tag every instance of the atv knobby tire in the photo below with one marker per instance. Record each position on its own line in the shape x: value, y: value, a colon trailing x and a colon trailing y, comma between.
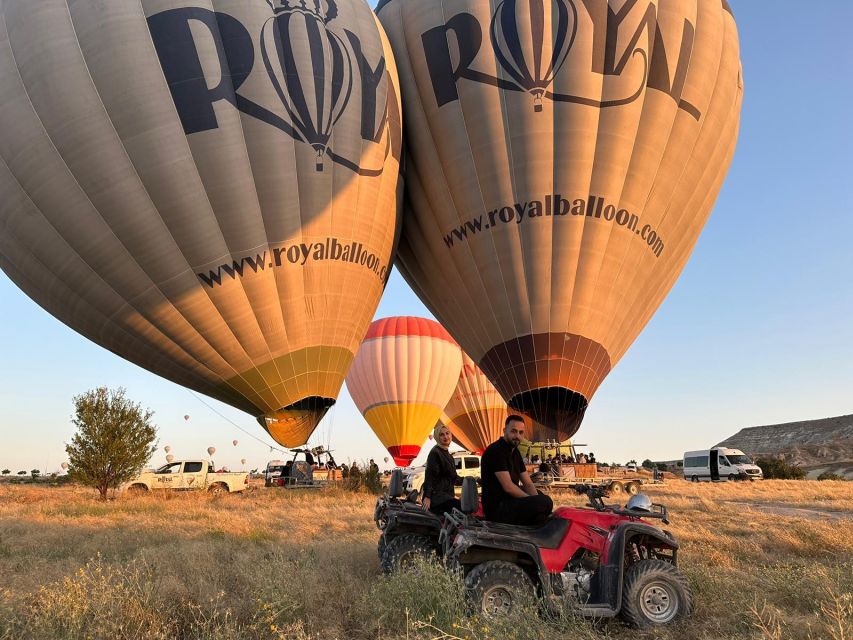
x: 497, y: 588
x: 383, y: 544
x: 655, y: 593
x: 399, y: 552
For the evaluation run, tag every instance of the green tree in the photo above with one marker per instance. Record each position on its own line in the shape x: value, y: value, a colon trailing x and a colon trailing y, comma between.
x: 22, y: 473
x: 6, y: 472
x: 114, y: 439
x: 779, y: 469
x: 648, y: 464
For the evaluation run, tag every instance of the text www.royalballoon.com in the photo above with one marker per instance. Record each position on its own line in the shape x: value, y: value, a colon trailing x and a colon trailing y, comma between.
x: 298, y: 254
x: 554, y: 207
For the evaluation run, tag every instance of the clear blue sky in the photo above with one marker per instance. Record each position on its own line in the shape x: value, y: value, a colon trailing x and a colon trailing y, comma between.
x: 758, y: 330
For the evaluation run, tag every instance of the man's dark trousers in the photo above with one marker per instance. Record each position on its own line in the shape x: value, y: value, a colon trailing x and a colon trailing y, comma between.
x: 531, y: 510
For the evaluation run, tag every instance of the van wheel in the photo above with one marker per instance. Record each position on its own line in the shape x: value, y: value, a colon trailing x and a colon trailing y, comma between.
x: 731, y: 477
x: 401, y: 552
x: 694, y: 479
x: 498, y: 588
x: 655, y: 594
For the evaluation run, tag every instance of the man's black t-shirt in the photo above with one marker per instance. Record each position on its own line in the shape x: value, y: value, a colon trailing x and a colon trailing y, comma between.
x: 498, y: 456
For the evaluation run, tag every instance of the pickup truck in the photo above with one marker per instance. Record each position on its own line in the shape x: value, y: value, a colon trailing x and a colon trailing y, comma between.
x: 188, y: 475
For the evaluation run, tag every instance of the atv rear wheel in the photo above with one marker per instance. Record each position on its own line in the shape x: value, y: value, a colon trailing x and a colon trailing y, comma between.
x: 496, y: 588
x: 400, y: 552
x: 383, y: 544
x: 655, y: 593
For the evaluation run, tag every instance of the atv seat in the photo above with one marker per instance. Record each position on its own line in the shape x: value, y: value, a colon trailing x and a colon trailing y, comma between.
x: 546, y: 536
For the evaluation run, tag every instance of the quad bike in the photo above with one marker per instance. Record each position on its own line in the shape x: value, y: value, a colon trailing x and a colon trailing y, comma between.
x: 407, y: 530
x: 605, y: 560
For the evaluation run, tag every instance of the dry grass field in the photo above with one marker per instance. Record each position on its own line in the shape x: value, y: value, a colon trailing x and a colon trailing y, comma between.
x: 766, y: 560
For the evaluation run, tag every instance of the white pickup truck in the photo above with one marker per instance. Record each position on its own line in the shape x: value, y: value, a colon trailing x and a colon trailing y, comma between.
x: 188, y: 475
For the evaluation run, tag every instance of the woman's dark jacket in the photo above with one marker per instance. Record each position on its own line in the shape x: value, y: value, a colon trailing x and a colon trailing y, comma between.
x: 440, y: 476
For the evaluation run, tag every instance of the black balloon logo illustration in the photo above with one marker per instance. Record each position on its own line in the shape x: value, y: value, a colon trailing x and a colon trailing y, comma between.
x: 309, y: 67
x: 532, y: 39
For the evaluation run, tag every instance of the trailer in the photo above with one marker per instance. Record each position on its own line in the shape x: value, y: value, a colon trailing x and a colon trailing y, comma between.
x: 615, y: 481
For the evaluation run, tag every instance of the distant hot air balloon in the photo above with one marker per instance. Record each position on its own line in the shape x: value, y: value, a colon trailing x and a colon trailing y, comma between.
x: 242, y: 460
x: 211, y: 451
x: 476, y: 412
x: 64, y: 466
x: 386, y: 459
x: 400, y: 380
x: 167, y: 448
x: 160, y: 192
x: 234, y: 442
x: 544, y: 240
x: 170, y: 458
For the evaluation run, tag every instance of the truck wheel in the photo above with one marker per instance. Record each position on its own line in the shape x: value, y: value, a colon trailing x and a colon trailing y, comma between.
x: 496, y: 588
x: 655, y: 593
x: 401, y: 551
x: 137, y: 489
x: 615, y: 488
x: 217, y: 488
x: 632, y: 488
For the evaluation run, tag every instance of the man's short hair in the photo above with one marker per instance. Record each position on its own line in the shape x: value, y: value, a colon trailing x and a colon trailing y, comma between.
x: 512, y: 418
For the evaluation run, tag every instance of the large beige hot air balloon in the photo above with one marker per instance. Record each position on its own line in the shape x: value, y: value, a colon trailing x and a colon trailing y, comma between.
x: 564, y: 157
x: 401, y: 379
x: 208, y: 190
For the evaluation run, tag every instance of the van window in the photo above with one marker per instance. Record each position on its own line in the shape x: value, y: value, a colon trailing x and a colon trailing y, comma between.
x: 696, y: 461
x: 723, y: 461
x: 192, y: 467
x: 472, y: 463
x: 170, y: 468
x: 457, y: 462
x: 739, y: 459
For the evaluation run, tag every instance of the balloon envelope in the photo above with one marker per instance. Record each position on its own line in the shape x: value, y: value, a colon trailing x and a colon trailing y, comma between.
x: 64, y: 465
x: 169, y: 458
x: 234, y: 442
x: 401, y: 379
x: 167, y: 448
x: 203, y: 192
x: 211, y: 451
x: 242, y: 460
x: 564, y: 157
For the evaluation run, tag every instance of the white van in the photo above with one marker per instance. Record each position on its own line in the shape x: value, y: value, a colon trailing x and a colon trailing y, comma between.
x: 719, y: 463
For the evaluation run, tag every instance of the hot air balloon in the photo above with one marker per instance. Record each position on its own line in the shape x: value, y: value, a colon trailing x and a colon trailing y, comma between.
x: 169, y: 458
x: 64, y: 466
x: 234, y: 442
x: 242, y: 460
x: 400, y: 380
x: 211, y: 451
x: 386, y: 459
x: 160, y: 192
x: 167, y: 448
x: 545, y: 238
x: 476, y: 412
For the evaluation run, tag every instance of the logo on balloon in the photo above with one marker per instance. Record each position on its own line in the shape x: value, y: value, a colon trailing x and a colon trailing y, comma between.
x: 518, y: 37
x: 313, y: 69
x: 314, y: 85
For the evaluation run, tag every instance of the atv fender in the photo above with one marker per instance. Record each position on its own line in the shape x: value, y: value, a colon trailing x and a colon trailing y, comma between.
x: 469, y: 551
x: 611, y: 575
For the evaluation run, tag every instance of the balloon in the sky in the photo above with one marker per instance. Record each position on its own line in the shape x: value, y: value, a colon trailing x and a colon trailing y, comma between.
x: 167, y: 448
x: 242, y: 460
x: 235, y: 442
x: 169, y: 458
x: 386, y: 459
x: 208, y: 190
x: 64, y: 466
x: 211, y: 451
x: 401, y: 379
x: 565, y: 155
x: 476, y: 412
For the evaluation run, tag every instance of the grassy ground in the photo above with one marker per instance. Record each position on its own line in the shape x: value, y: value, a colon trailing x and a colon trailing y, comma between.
x: 766, y: 560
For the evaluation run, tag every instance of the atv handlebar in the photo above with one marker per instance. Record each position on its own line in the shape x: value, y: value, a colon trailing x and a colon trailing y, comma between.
x: 596, y: 496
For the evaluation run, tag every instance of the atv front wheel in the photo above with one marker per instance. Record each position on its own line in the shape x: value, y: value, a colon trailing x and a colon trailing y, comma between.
x: 383, y: 544
x: 400, y: 552
x: 496, y: 588
x: 655, y: 593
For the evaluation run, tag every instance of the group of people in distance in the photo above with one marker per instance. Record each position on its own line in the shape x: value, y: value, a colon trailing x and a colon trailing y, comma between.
x: 563, y: 458
x: 507, y: 492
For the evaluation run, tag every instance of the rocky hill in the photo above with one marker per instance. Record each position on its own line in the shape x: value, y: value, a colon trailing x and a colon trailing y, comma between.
x: 815, y: 445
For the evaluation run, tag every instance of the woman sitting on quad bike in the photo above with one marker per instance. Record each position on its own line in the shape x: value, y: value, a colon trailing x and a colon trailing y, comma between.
x: 440, y: 476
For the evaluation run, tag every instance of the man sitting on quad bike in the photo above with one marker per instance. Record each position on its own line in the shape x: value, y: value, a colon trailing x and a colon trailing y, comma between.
x: 501, y: 470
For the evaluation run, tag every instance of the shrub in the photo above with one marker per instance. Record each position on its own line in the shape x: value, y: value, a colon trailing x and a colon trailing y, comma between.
x: 648, y: 464
x: 829, y: 475
x: 779, y: 469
